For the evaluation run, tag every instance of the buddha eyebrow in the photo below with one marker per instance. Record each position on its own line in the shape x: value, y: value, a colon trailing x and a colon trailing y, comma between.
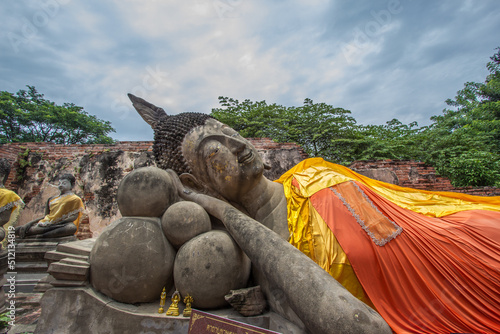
x: 228, y: 131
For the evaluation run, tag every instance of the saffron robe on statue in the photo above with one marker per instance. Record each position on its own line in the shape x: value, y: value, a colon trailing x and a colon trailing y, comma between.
x: 10, y: 201
x: 428, y: 262
x: 63, y: 206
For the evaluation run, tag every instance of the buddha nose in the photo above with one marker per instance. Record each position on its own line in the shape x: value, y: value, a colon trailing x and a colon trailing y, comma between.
x: 237, y: 146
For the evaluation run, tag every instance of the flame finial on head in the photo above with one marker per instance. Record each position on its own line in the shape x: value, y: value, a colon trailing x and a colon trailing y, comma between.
x: 148, y: 111
x: 169, y: 132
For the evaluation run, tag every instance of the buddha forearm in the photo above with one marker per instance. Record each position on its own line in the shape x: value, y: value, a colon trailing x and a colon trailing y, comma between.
x: 71, y: 218
x: 212, y: 205
x: 322, y: 303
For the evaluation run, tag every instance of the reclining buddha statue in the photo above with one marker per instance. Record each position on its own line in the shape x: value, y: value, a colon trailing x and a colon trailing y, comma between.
x: 335, y: 249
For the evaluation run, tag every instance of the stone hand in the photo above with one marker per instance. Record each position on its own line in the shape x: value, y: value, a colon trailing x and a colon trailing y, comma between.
x: 71, y: 218
x: 182, y: 191
x: 42, y: 224
x: 212, y: 205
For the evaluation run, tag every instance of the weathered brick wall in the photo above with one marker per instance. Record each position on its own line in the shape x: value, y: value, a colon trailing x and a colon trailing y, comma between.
x: 99, y: 170
x: 55, y: 152
x: 281, y: 156
x: 415, y: 174
x: 94, y: 167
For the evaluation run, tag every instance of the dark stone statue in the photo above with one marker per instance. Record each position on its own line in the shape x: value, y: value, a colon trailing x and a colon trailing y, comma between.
x: 324, y: 245
x: 62, y: 214
x: 222, y: 172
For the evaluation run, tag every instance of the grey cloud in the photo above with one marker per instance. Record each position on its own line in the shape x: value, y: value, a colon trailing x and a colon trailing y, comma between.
x: 93, y: 53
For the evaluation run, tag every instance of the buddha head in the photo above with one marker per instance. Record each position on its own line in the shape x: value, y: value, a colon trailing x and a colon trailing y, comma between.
x: 208, y: 155
x: 66, y: 183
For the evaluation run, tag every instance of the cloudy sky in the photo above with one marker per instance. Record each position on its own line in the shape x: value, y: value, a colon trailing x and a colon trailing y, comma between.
x: 380, y: 59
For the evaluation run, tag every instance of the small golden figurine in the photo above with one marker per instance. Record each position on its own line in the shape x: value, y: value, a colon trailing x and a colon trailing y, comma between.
x: 173, y: 309
x: 188, y: 301
x: 162, y: 301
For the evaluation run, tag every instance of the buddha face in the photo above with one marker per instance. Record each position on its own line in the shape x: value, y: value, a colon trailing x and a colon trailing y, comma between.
x: 64, y: 186
x: 219, y: 157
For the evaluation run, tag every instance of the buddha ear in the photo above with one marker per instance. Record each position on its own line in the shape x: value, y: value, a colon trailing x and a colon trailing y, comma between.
x: 191, y: 182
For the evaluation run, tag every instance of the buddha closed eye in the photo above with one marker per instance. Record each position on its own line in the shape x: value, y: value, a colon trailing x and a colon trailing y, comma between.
x: 213, y: 151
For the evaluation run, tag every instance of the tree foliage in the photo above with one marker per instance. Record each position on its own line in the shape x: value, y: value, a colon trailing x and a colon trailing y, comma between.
x: 28, y: 117
x: 393, y: 140
x: 463, y: 143
x: 320, y: 129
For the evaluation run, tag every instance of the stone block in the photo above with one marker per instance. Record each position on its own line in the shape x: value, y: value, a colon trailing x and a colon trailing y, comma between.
x: 81, y: 247
x: 183, y: 221
x: 54, y: 256
x: 95, y: 313
x: 208, y: 266
x: 68, y: 283
x: 132, y: 260
x: 44, y: 284
x: 70, y: 269
x: 35, y: 267
x: 146, y: 192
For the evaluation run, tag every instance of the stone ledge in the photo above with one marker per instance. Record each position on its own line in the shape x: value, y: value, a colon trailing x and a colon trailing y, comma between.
x: 96, y: 313
x: 54, y: 256
x: 67, y: 283
x: 61, y: 271
x: 44, y: 241
x: 81, y: 247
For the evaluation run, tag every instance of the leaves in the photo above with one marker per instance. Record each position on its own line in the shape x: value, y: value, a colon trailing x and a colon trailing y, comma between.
x: 28, y: 117
x: 463, y: 142
x: 318, y: 128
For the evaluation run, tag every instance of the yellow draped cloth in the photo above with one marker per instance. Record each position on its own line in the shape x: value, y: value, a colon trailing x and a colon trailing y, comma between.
x: 62, y: 207
x: 427, y: 261
x: 308, y: 230
x: 315, y: 174
x: 9, y: 200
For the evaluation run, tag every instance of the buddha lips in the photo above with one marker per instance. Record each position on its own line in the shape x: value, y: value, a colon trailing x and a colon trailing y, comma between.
x: 243, y: 159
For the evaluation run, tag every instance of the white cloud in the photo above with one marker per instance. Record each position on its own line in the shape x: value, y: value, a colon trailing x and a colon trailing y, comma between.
x: 181, y: 55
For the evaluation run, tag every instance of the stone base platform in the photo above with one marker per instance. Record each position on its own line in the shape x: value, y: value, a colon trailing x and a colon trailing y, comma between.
x: 31, y: 265
x: 30, y: 252
x: 3, y: 280
x: 82, y: 310
x: 68, y: 265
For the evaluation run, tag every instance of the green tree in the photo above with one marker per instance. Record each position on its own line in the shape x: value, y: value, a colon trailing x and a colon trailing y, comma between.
x: 393, y: 140
x: 250, y: 119
x: 464, y: 142
x: 27, y: 117
x: 320, y: 129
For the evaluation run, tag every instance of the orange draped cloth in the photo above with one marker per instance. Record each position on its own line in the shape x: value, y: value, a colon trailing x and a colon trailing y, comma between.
x: 424, y: 273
